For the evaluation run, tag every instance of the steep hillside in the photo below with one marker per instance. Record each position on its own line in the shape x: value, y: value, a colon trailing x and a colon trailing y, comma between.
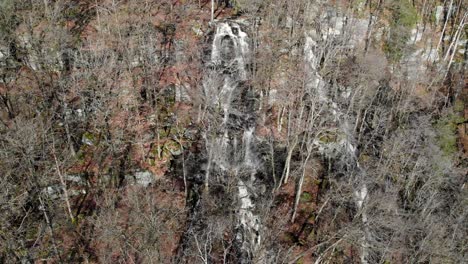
x: 260, y: 131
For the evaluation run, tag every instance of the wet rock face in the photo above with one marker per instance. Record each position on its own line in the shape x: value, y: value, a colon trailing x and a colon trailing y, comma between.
x: 231, y: 146
x: 227, y: 49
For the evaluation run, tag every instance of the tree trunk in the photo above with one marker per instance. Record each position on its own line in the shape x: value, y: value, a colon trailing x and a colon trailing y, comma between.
x: 212, y: 10
x: 445, y: 24
x: 299, y: 187
x: 287, y: 165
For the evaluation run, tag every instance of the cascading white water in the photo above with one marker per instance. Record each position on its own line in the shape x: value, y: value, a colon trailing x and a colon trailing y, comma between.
x: 230, y: 50
x: 249, y: 222
x: 249, y: 159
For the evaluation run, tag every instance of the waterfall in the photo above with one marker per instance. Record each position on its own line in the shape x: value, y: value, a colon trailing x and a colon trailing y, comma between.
x: 316, y: 85
x: 225, y: 97
x: 231, y: 46
x: 230, y: 56
x: 249, y: 159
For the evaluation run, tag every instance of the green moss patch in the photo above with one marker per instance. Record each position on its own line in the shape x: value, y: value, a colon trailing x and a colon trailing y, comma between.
x: 306, y: 197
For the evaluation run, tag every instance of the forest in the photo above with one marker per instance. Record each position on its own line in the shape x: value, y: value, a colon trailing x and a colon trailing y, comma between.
x: 234, y: 131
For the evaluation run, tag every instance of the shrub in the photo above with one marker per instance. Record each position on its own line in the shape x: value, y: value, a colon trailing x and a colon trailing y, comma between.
x: 446, y: 128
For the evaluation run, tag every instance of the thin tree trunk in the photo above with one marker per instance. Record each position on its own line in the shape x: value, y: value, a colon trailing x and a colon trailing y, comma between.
x: 299, y: 187
x: 458, y: 33
x: 273, y: 162
x: 70, y: 142
x: 184, y: 172
x: 369, y: 28
x: 280, y: 118
x: 207, y: 175
x: 49, y: 224
x: 455, y: 38
x: 445, y: 24
x: 212, y: 10
x: 287, y: 166
x: 64, y: 186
